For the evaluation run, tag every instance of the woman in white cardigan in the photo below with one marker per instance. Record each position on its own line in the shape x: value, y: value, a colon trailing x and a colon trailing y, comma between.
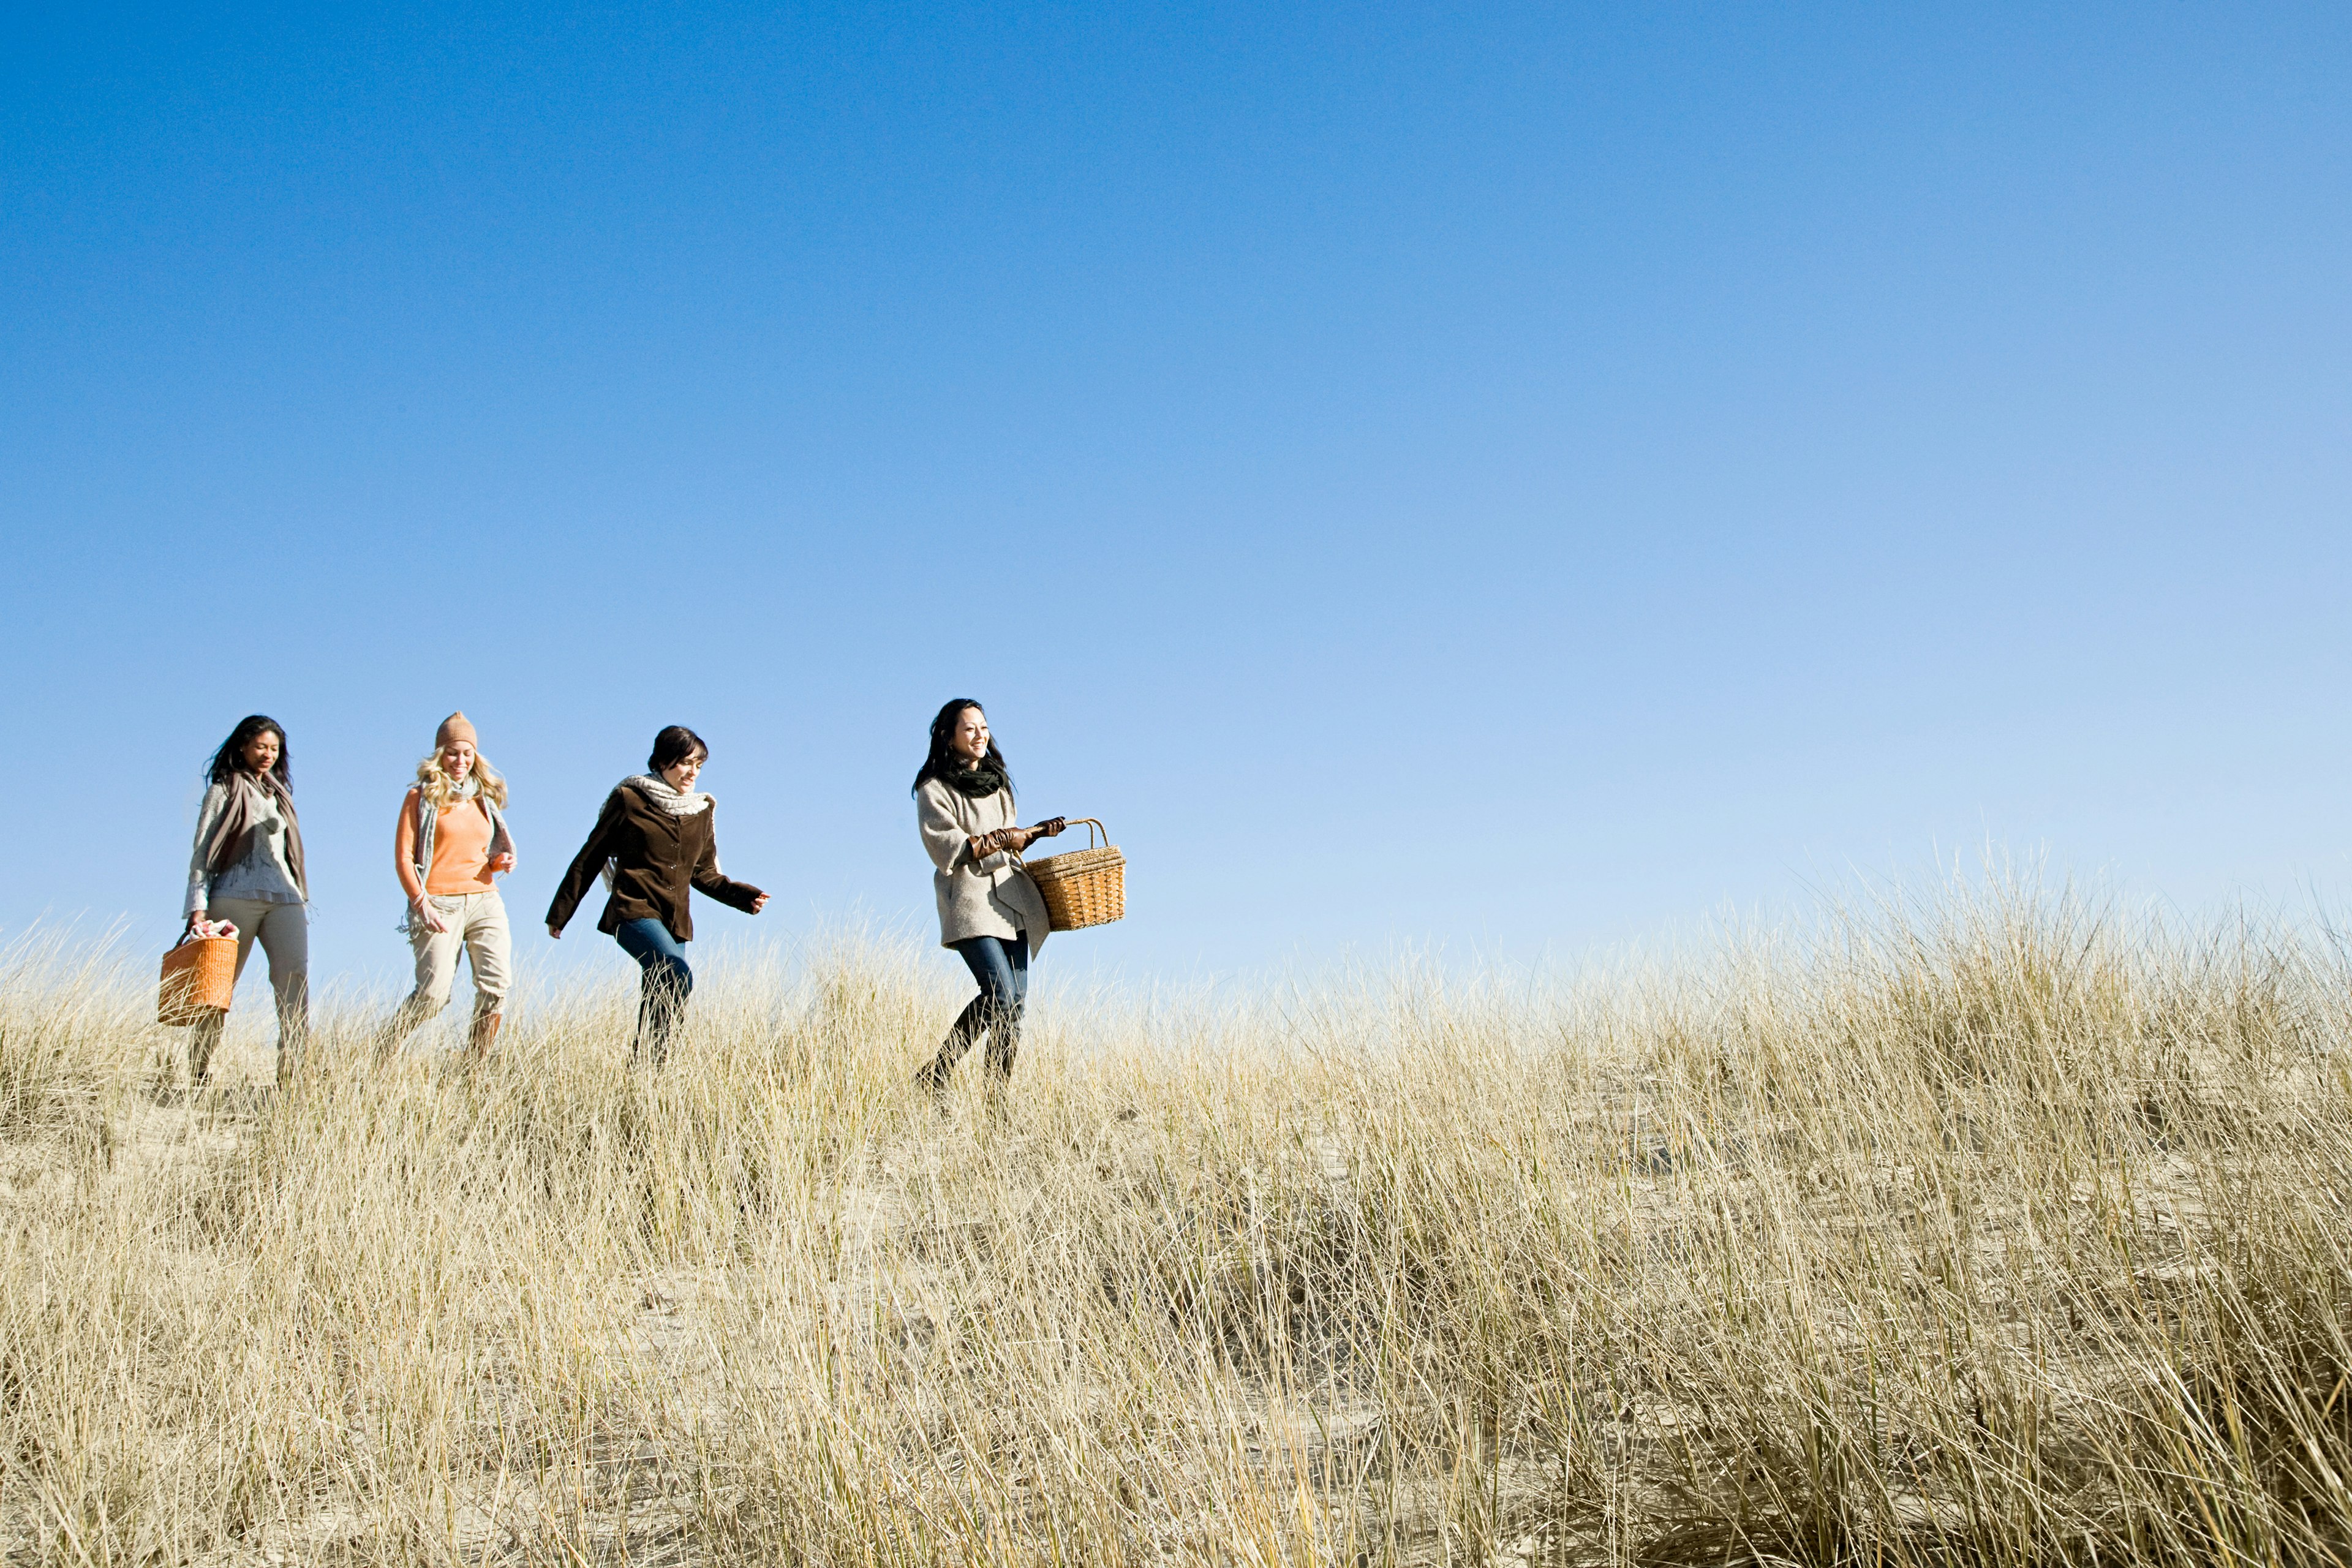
x: 991, y: 913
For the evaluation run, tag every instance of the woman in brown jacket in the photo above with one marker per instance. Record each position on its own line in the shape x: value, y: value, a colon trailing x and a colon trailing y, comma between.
x: 655, y: 839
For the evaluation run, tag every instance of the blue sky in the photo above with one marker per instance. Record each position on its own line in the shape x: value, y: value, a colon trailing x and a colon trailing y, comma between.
x: 1512, y: 479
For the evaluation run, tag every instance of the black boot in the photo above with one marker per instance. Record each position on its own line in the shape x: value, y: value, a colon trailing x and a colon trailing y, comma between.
x: 932, y: 1080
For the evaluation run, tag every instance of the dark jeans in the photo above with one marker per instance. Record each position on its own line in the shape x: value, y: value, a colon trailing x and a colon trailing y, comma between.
x: 1003, y: 969
x: 668, y: 984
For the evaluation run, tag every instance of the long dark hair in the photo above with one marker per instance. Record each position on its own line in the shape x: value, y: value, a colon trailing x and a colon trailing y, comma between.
x: 674, y: 745
x: 229, y: 761
x: 942, y: 761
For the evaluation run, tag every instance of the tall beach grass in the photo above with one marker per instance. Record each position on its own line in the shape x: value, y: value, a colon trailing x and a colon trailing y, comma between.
x: 1986, y: 1227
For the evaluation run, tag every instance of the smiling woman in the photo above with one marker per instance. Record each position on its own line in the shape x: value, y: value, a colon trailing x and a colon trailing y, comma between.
x: 656, y: 839
x: 991, y: 913
x: 449, y: 845
x: 246, y: 868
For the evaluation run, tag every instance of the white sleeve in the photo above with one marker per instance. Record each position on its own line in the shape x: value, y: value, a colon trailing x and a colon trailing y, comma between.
x: 200, y: 875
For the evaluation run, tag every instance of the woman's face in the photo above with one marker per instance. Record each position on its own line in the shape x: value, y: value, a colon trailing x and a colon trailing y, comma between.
x: 457, y: 760
x: 261, y: 751
x: 680, y: 776
x: 970, y: 739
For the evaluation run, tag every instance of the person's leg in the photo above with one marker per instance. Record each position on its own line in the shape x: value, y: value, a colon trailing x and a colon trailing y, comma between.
x: 933, y: 1077
x: 285, y: 938
x: 638, y: 943
x: 992, y: 970
x: 672, y: 984
x: 204, y: 1035
x: 489, y: 951
x: 668, y: 984
x: 1013, y: 996
x: 436, y: 973
x: 204, y: 1039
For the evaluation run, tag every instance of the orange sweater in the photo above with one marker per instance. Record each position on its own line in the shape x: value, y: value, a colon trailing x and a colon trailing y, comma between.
x: 461, y: 849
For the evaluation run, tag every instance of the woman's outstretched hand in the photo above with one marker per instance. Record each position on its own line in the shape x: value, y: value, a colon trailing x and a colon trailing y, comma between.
x: 1022, y: 837
x: 1016, y: 839
x: 501, y: 863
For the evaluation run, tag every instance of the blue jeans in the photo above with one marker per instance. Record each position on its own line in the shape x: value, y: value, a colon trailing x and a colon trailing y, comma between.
x: 666, y: 986
x: 1002, y: 968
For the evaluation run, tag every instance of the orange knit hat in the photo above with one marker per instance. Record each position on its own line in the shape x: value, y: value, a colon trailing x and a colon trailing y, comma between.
x: 455, y: 727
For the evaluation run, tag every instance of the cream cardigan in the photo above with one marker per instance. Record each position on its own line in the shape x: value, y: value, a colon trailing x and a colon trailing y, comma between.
x: 989, y: 898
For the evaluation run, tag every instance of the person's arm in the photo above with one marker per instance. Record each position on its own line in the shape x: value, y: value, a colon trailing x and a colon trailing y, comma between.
x: 200, y: 873
x: 502, y: 855
x: 404, y: 848
x: 706, y: 877
x: 1015, y: 838
x: 585, y: 866
x: 944, y: 839
x: 1022, y: 837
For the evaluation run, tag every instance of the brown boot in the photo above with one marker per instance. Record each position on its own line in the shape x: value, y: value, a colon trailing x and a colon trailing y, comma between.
x: 485, y: 1035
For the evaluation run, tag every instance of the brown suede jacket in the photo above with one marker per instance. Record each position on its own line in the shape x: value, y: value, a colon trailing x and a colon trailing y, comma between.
x: 656, y: 857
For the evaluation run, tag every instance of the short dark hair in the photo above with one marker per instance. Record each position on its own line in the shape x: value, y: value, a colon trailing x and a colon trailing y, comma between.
x: 941, y: 761
x: 229, y: 760
x: 673, y: 746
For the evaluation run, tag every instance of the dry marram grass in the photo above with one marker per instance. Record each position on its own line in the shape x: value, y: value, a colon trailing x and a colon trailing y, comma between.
x: 1993, y: 1230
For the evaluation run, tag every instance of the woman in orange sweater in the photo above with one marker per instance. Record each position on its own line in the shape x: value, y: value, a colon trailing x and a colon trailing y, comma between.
x: 450, y: 843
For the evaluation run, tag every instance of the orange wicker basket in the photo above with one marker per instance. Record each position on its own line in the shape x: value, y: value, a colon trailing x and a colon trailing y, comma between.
x: 199, y: 977
x: 1085, y: 887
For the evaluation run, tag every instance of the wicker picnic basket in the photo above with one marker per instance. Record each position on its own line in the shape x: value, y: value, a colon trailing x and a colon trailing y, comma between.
x: 1084, y: 887
x: 199, y: 977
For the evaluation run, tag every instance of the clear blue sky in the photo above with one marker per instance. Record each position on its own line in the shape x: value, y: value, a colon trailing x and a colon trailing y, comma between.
x: 1512, y: 477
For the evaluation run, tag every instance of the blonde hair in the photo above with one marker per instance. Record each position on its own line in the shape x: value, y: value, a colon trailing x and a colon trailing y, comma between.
x: 434, y: 785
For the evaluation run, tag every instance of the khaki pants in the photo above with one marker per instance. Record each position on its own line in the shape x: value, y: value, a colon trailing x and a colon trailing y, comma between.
x: 478, y: 928
x: 284, y: 932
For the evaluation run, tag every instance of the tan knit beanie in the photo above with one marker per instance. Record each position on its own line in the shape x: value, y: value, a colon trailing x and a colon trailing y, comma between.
x: 455, y: 727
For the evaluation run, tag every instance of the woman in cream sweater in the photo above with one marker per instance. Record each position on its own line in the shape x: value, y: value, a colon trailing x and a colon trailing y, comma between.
x: 991, y: 913
x: 448, y: 846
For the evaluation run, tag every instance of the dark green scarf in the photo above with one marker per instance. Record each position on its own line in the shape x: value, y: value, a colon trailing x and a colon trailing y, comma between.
x: 978, y: 783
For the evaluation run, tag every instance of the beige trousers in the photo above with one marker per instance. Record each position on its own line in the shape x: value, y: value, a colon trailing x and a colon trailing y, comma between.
x: 478, y: 928
x: 284, y: 932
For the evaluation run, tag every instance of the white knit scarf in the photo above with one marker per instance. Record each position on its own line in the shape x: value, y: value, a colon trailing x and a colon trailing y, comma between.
x: 677, y: 802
